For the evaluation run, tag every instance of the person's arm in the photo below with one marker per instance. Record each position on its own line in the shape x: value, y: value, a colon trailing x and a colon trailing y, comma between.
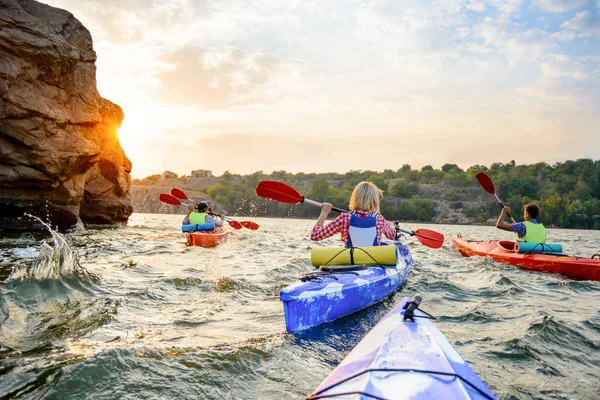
x: 320, y: 231
x: 186, y: 220
x: 211, y: 218
x: 388, y: 229
x: 500, y: 224
x: 325, y: 210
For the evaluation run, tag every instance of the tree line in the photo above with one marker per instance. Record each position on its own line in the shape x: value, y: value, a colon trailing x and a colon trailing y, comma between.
x: 567, y: 192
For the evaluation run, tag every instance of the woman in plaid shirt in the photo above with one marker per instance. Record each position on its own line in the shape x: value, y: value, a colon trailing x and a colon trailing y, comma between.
x: 363, y: 225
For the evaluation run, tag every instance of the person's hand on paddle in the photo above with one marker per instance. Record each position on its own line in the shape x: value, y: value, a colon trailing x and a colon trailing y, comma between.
x: 500, y: 224
x: 325, y: 210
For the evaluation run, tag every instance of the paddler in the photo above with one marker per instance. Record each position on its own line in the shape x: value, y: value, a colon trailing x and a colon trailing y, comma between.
x: 201, y: 214
x: 363, y: 225
x: 528, y: 231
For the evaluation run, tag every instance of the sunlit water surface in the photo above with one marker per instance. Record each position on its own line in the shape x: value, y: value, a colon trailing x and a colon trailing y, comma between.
x: 147, y: 317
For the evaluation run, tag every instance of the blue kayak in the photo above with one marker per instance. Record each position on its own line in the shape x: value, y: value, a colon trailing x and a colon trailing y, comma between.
x: 324, y: 296
x: 403, y: 360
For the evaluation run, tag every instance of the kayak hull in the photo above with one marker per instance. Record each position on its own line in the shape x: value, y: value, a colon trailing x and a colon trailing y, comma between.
x: 331, y: 296
x: 500, y: 250
x: 207, y: 238
x: 403, y: 360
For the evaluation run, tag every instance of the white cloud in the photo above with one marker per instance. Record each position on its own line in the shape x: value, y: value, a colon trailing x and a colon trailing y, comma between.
x: 513, y: 40
x: 476, y: 6
x: 507, y: 8
x: 553, y: 70
x: 413, y: 36
x: 559, y: 5
x: 583, y: 25
x: 565, y: 86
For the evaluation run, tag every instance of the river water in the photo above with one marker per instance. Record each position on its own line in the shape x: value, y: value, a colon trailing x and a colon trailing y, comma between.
x: 132, y: 313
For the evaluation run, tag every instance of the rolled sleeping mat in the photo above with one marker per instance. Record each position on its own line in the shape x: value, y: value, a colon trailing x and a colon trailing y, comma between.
x: 537, y: 248
x: 372, y: 255
x: 209, y: 226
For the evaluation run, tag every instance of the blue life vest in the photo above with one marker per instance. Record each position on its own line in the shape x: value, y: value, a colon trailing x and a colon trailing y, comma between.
x: 362, y: 231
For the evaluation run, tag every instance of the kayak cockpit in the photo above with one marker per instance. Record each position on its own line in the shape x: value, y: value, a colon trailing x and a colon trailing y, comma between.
x: 507, y: 246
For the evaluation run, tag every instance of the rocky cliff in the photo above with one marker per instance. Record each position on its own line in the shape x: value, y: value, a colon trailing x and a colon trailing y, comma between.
x: 60, y: 156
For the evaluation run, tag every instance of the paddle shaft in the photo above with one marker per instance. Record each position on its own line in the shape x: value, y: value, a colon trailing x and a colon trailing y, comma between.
x: 502, y: 206
x: 317, y: 204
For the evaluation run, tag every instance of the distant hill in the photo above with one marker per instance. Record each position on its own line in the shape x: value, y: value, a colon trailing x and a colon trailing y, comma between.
x: 568, y: 193
x: 145, y: 193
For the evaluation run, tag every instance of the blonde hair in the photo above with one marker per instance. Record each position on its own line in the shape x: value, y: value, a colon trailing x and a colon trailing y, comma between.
x: 366, y: 196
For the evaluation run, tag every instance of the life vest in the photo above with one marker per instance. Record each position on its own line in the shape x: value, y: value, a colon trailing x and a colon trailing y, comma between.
x: 362, y: 231
x: 197, y: 218
x: 534, y: 233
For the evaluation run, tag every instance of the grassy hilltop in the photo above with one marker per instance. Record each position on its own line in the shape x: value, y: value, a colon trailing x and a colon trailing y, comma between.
x: 567, y: 192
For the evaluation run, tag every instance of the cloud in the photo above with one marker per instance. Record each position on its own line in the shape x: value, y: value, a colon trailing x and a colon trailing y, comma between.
x: 215, y: 78
x: 507, y: 8
x: 559, y: 6
x: 565, y: 86
x: 413, y: 37
x: 514, y: 41
x: 583, y: 25
x: 476, y: 6
x: 563, y: 68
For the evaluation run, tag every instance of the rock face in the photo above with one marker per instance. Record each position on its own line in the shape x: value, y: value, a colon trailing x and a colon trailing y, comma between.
x: 60, y: 156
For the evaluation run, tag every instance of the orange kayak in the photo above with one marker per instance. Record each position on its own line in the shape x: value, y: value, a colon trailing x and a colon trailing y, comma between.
x: 207, y: 238
x: 504, y: 251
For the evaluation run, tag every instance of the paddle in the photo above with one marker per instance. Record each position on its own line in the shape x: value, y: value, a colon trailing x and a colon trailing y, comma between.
x: 246, y: 224
x: 487, y: 185
x: 283, y: 193
x: 169, y: 199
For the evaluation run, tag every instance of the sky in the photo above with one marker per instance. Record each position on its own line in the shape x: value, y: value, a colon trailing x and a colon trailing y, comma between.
x: 340, y: 85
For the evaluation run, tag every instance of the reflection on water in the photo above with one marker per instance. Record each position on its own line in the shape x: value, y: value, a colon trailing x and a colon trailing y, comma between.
x: 163, y: 320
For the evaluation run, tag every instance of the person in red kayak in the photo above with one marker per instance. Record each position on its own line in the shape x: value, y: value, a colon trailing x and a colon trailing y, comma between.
x: 528, y: 231
x: 363, y: 225
x: 200, y: 214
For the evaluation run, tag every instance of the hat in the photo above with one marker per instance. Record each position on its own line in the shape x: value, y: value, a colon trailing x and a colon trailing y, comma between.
x: 202, y: 205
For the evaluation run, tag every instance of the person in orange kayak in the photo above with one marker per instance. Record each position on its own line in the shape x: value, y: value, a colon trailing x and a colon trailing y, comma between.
x: 529, y: 230
x: 363, y: 225
x: 201, y: 214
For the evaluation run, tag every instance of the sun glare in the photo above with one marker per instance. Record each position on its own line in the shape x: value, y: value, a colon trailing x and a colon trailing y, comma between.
x: 137, y: 128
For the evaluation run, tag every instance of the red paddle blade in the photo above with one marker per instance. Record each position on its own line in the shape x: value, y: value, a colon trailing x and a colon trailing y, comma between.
x: 235, y: 224
x: 250, y: 225
x: 278, y: 191
x: 178, y: 193
x: 485, y: 182
x: 430, y: 238
x: 167, y: 198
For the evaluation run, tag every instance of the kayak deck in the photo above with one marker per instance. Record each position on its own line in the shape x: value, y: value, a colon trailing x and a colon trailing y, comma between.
x: 403, y: 360
x: 326, y: 296
x: 501, y: 251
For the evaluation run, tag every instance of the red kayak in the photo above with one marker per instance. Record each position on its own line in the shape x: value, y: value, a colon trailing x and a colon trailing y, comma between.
x: 207, y: 238
x: 504, y: 251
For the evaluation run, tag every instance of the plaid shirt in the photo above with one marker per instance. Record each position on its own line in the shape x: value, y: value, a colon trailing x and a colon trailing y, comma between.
x: 342, y: 223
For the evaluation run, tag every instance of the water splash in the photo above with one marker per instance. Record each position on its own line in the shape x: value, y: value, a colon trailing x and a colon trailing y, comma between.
x: 56, y: 259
